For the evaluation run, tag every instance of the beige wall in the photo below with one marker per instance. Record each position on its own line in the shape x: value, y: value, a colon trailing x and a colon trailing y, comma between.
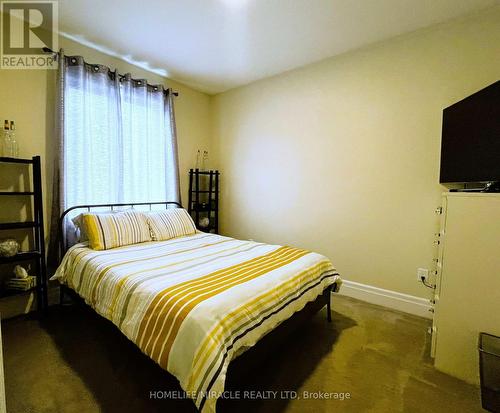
x: 342, y: 156
x: 27, y: 96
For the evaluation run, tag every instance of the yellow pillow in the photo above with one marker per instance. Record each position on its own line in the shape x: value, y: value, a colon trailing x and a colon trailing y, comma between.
x: 113, y: 230
x: 170, y: 223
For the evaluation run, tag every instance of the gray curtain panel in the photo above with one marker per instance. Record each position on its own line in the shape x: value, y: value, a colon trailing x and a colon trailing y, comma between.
x: 58, y: 177
x: 174, y: 190
x: 117, y: 140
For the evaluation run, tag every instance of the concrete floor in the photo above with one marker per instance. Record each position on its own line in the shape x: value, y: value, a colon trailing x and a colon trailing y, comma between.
x: 74, y: 361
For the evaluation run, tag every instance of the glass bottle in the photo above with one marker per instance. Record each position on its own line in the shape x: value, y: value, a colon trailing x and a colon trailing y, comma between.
x: 198, y: 160
x: 13, y: 141
x: 204, y: 162
x: 7, y: 143
x: 2, y: 144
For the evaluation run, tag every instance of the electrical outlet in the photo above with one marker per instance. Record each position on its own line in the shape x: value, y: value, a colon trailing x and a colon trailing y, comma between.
x: 422, y: 273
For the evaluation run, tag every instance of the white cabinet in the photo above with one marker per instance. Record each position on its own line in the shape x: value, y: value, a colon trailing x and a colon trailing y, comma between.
x: 468, y: 281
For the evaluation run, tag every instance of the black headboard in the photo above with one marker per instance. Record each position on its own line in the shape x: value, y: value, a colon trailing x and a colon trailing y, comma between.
x: 63, y: 244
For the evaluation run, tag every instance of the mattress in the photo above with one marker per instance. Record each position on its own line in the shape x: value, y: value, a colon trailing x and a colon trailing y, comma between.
x: 193, y: 303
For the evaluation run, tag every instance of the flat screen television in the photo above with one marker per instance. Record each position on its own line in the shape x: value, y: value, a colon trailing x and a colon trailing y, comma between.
x: 470, y: 143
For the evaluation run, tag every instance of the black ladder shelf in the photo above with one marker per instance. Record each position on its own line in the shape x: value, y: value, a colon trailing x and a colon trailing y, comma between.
x: 203, y: 201
x: 37, y: 255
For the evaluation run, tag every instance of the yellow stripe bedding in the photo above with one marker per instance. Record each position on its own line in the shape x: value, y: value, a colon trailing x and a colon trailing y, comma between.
x: 193, y: 303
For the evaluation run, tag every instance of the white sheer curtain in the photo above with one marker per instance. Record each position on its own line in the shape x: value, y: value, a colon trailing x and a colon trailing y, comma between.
x: 119, y: 138
x: 116, y: 141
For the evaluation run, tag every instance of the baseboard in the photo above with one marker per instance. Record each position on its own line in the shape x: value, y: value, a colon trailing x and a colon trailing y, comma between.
x: 387, y: 298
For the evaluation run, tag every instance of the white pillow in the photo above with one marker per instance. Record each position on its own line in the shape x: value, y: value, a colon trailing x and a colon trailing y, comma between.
x: 170, y: 223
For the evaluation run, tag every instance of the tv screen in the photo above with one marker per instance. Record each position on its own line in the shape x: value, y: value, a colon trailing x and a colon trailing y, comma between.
x: 470, y: 143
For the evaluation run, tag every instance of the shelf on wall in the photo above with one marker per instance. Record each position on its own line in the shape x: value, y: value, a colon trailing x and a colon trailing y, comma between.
x: 214, y: 172
x: 9, y: 293
x: 17, y: 193
x: 15, y: 160
x: 17, y: 225
x: 198, y: 204
x: 20, y: 256
x: 34, y: 223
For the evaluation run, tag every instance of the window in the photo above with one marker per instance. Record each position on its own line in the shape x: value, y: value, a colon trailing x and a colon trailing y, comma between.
x: 119, y: 144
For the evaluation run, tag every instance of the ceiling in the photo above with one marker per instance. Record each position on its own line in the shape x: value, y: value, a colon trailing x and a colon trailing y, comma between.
x: 216, y: 45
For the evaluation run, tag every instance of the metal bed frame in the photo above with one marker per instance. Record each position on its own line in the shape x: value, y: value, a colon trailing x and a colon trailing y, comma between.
x: 63, y: 244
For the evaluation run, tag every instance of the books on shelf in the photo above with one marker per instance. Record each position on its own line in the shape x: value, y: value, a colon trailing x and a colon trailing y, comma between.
x: 21, y: 284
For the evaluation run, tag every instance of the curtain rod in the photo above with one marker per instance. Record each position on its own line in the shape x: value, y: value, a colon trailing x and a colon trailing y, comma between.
x: 48, y: 50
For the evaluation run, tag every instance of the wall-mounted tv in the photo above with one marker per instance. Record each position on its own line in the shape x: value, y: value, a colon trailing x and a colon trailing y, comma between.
x: 470, y: 143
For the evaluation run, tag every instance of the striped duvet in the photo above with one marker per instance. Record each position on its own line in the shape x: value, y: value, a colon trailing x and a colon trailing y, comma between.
x: 193, y: 303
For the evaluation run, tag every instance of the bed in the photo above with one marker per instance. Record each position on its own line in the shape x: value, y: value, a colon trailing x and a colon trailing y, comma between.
x: 195, y: 303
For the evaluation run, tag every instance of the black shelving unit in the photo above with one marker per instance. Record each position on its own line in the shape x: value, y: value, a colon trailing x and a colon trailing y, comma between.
x: 204, y: 199
x: 37, y: 255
